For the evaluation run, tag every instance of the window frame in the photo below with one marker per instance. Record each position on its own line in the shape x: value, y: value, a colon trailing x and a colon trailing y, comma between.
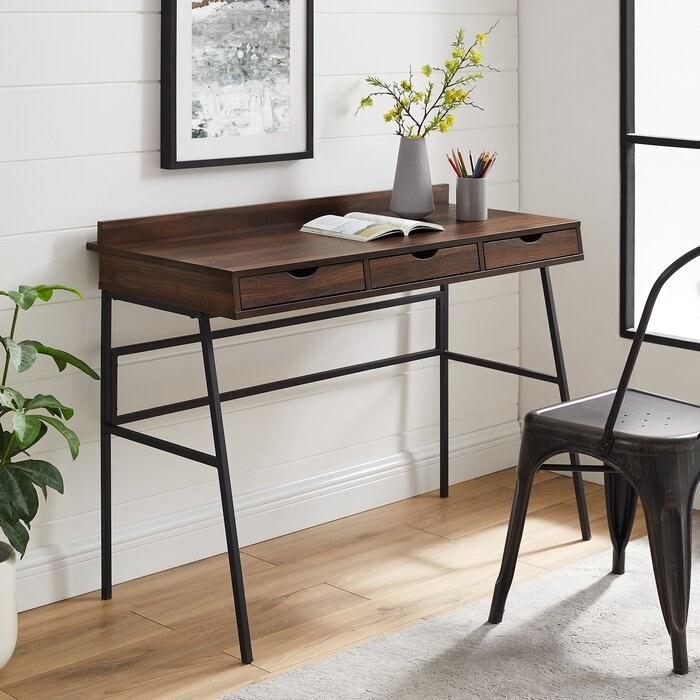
x: 629, y: 140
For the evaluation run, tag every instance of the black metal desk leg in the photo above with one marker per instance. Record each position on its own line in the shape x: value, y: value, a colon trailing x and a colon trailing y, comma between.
x: 441, y: 341
x: 564, y: 395
x: 107, y: 411
x: 234, y: 555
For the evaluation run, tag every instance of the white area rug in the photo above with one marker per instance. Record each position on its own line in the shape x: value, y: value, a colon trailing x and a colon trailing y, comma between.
x: 576, y: 633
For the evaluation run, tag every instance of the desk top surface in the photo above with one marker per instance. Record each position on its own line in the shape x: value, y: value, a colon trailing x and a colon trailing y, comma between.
x: 257, y: 258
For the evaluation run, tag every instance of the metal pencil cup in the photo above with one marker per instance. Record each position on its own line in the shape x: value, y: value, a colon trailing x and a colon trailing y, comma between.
x: 471, y: 199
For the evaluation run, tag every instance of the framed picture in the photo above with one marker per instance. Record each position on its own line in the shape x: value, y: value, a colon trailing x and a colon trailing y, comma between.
x: 236, y: 82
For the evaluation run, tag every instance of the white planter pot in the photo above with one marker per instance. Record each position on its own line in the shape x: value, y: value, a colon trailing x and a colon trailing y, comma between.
x: 8, y: 603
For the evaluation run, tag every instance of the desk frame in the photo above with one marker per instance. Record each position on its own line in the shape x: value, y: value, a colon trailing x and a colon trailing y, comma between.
x: 113, y: 424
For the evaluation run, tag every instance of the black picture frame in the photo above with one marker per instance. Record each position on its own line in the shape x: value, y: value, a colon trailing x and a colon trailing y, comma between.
x: 279, y: 126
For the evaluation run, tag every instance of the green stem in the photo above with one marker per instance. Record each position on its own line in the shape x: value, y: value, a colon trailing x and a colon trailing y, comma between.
x: 12, y: 337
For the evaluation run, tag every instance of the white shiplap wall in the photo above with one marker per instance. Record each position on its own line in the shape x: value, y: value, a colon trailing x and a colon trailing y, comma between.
x: 79, y: 91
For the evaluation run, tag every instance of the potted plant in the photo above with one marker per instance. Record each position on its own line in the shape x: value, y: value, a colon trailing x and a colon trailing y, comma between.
x: 417, y: 110
x: 24, y: 421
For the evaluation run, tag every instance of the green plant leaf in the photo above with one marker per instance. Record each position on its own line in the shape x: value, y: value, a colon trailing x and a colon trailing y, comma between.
x: 71, y: 437
x: 16, y: 447
x: 43, y: 474
x: 20, y: 496
x: 26, y: 295
x: 27, y: 357
x: 26, y: 427
x: 51, y: 404
x: 45, y: 291
x: 7, y: 493
x: 63, y: 358
x: 30, y: 505
x: 16, y: 533
x: 11, y: 398
x: 22, y: 355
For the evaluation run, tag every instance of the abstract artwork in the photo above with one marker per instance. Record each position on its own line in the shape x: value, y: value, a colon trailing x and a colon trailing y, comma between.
x: 236, y: 81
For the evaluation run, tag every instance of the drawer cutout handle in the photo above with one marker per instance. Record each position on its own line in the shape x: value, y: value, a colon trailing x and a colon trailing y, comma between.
x: 303, y: 272
x: 531, y: 238
x: 424, y: 254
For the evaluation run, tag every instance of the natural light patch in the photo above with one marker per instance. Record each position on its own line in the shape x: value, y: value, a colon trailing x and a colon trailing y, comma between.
x: 667, y: 56
x: 666, y: 227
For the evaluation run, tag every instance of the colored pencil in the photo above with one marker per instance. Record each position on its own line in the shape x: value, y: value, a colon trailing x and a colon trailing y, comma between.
x: 461, y: 160
x: 454, y: 167
x: 483, y: 165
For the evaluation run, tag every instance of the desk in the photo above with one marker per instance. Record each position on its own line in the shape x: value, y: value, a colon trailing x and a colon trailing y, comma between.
x: 253, y: 261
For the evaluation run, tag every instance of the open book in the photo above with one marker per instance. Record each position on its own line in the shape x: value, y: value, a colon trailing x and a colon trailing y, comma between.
x: 365, y: 227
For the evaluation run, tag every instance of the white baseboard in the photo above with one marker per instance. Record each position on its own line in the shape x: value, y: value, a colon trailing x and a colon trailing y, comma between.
x: 48, y: 574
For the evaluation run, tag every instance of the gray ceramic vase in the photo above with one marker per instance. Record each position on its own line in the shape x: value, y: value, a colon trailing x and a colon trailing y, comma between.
x: 412, y: 195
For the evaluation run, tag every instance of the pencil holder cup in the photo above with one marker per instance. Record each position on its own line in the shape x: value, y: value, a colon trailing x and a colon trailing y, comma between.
x: 471, y: 199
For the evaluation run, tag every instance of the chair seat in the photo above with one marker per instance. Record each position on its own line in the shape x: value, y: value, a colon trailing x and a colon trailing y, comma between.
x: 644, y: 417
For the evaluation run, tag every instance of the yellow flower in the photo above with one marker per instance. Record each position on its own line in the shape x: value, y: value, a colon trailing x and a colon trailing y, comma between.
x: 426, y: 70
x: 452, y: 64
x: 405, y: 85
x: 475, y: 57
x: 366, y: 102
x: 388, y: 116
x: 459, y: 53
x: 446, y: 124
x: 481, y: 39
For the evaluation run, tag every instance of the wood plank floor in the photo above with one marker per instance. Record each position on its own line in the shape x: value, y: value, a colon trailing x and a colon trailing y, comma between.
x: 311, y: 593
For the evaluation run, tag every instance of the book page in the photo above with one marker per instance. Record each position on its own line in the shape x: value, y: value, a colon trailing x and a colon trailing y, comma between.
x: 406, y: 225
x: 338, y: 224
x: 403, y: 224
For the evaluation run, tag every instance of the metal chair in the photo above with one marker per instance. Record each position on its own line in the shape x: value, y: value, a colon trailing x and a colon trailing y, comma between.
x: 650, y: 448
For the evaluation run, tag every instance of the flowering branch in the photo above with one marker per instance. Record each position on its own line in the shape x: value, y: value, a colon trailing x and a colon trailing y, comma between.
x: 418, y: 112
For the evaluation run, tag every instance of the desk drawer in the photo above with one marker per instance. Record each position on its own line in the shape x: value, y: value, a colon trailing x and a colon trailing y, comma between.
x: 423, y: 266
x: 529, y: 249
x: 299, y: 285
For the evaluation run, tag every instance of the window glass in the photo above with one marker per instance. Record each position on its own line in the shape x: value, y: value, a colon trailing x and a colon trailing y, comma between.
x: 661, y: 164
x: 666, y: 192
x: 667, y: 73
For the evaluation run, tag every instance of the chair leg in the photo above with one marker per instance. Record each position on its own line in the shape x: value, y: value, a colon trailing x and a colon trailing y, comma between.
x: 527, y: 468
x: 620, y: 506
x: 581, y: 505
x: 668, y: 510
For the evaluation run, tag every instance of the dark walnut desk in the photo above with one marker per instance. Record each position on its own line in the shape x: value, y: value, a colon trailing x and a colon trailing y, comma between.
x: 253, y: 261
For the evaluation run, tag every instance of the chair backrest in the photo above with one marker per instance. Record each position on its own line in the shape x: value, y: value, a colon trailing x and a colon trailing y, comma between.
x: 637, y: 343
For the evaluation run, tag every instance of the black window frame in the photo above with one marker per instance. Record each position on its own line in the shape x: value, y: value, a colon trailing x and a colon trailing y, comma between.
x: 629, y: 140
